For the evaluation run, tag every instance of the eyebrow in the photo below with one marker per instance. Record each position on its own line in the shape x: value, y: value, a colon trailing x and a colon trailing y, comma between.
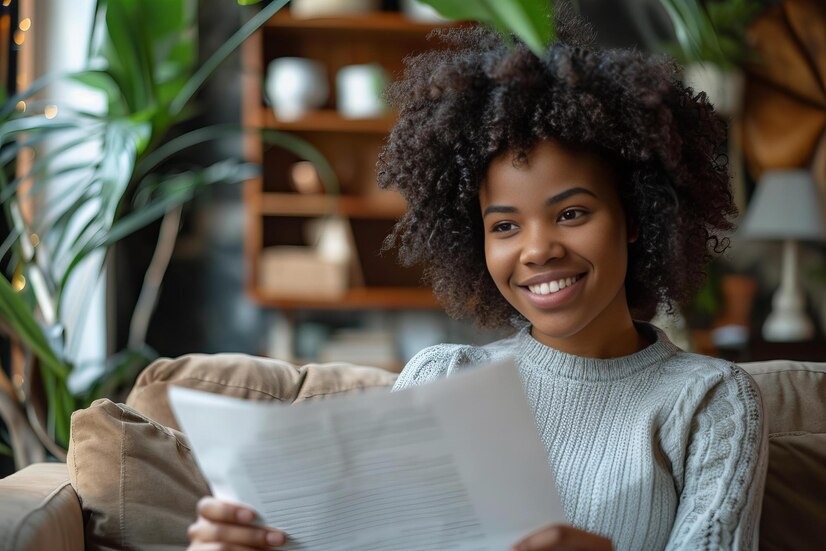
x: 559, y: 197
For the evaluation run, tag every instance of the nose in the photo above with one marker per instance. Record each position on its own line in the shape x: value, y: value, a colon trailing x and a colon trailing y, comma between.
x: 540, y: 245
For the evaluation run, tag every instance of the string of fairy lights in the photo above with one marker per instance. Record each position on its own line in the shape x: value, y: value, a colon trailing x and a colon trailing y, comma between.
x: 14, y: 41
x: 18, y: 39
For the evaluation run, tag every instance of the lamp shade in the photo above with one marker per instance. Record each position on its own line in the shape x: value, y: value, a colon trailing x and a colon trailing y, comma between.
x: 786, y: 205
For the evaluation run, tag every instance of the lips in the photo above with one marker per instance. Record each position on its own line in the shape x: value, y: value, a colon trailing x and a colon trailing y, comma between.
x: 547, y: 297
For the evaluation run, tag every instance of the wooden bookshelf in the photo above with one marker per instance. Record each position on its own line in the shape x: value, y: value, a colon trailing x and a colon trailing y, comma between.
x: 328, y: 120
x: 380, y: 22
x: 357, y: 298
x: 276, y: 212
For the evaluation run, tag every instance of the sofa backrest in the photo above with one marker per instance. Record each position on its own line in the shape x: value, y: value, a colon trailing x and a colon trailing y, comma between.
x: 794, y: 502
x: 132, y: 468
x: 138, y: 482
x: 249, y: 377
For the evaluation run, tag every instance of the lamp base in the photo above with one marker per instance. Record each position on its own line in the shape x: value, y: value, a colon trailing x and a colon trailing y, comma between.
x: 788, y: 321
x: 788, y: 327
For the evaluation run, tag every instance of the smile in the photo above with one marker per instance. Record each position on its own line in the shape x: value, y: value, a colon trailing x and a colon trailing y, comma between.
x: 552, y: 287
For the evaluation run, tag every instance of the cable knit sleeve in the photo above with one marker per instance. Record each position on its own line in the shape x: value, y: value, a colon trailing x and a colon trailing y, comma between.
x: 724, y: 470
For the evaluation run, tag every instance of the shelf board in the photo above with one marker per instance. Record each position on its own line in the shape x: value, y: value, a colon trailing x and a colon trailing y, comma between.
x: 328, y: 120
x: 378, y: 21
x: 386, y: 205
x: 358, y: 298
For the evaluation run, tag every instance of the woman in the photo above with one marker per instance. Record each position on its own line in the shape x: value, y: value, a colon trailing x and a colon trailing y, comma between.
x: 569, y: 196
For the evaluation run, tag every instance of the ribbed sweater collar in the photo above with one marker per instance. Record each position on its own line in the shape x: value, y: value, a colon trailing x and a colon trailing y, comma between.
x: 569, y: 366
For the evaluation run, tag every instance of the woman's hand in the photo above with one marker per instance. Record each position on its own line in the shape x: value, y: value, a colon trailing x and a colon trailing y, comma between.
x: 558, y: 537
x: 223, y: 526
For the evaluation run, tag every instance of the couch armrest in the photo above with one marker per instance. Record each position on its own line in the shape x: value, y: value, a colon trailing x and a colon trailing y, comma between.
x: 40, y: 510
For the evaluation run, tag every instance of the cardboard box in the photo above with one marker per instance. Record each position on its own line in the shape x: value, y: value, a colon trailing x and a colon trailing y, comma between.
x: 302, y: 273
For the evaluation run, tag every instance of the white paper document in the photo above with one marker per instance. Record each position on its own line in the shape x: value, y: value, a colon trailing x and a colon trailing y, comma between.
x: 452, y: 465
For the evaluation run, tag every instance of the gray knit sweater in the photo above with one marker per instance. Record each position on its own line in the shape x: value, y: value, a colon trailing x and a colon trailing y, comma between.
x: 661, y: 449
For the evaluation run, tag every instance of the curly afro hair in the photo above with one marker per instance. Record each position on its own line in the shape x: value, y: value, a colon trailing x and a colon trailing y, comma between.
x: 462, y: 107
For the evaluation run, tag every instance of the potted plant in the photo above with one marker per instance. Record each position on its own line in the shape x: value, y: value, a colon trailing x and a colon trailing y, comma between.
x: 143, y: 60
x: 712, y: 46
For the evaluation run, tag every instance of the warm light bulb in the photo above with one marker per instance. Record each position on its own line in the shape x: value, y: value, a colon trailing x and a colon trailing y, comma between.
x: 21, y: 106
x: 6, y: 2
x: 19, y: 37
x: 26, y: 24
x: 50, y: 111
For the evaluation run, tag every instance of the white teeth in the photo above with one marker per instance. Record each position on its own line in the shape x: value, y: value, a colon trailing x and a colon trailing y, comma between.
x: 552, y: 286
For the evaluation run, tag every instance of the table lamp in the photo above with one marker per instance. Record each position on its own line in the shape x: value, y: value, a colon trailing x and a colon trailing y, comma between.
x: 786, y: 206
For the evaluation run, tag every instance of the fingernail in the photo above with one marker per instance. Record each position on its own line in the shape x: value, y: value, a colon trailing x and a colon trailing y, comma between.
x: 245, y: 515
x: 275, y: 538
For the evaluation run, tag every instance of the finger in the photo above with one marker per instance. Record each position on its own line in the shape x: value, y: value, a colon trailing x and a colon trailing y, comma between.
x: 221, y: 511
x: 205, y: 531
x: 563, y: 538
x: 544, y: 539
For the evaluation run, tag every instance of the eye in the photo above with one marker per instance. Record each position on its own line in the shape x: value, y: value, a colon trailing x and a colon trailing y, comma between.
x: 571, y: 214
x: 503, y: 227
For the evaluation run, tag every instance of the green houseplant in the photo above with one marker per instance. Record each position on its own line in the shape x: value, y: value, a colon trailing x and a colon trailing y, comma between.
x: 711, y: 45
x: 530, y: 20
x: 143, y: 60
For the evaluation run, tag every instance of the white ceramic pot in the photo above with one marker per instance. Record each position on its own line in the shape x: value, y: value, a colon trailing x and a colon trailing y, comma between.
x: 296, y: 85
x: 360, y: 91
x: 416, y: 11
x: 723, y: 88
x: 332, y: 8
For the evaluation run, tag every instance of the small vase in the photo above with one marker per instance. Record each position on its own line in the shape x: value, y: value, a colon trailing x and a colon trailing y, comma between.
x: 738, y: 298
x: 732, y: 327
x: 332, y: 8
x: 296, y: 85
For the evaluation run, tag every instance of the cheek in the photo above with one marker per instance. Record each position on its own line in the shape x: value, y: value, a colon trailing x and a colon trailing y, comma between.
x: 606, y: 248
x: 613, y: 256
x: 497, y: 259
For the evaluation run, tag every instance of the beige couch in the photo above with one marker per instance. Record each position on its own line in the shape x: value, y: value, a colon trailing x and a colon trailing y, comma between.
x: 131, y: 483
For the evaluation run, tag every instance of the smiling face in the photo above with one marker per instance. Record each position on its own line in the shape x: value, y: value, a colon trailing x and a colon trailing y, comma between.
x: 556, y: 245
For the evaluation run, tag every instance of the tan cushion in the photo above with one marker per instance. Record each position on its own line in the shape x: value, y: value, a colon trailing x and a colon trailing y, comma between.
x: 249, y: 377
x: 137, y: 480
x: 133, y: 470
x: 794, y: 506
x: 40, y: 510
x: 794, y: 394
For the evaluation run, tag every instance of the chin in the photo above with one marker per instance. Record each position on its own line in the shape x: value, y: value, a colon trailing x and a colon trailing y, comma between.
x: 556, y: 329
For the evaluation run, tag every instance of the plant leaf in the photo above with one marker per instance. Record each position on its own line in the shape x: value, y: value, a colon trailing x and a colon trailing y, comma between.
x: 695, y: 31
x: 170, y: 192
x: 530, y: 20
x: 209, y: 66
x: 18, y: 315
x: 180, y: 143
x: 103, y: 81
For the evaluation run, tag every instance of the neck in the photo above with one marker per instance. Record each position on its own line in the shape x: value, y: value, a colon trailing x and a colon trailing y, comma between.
x: 620, y: 342
x: 611, y: 335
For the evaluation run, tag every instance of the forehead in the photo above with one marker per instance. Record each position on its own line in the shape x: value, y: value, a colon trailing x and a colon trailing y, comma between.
x: 552, y: 166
